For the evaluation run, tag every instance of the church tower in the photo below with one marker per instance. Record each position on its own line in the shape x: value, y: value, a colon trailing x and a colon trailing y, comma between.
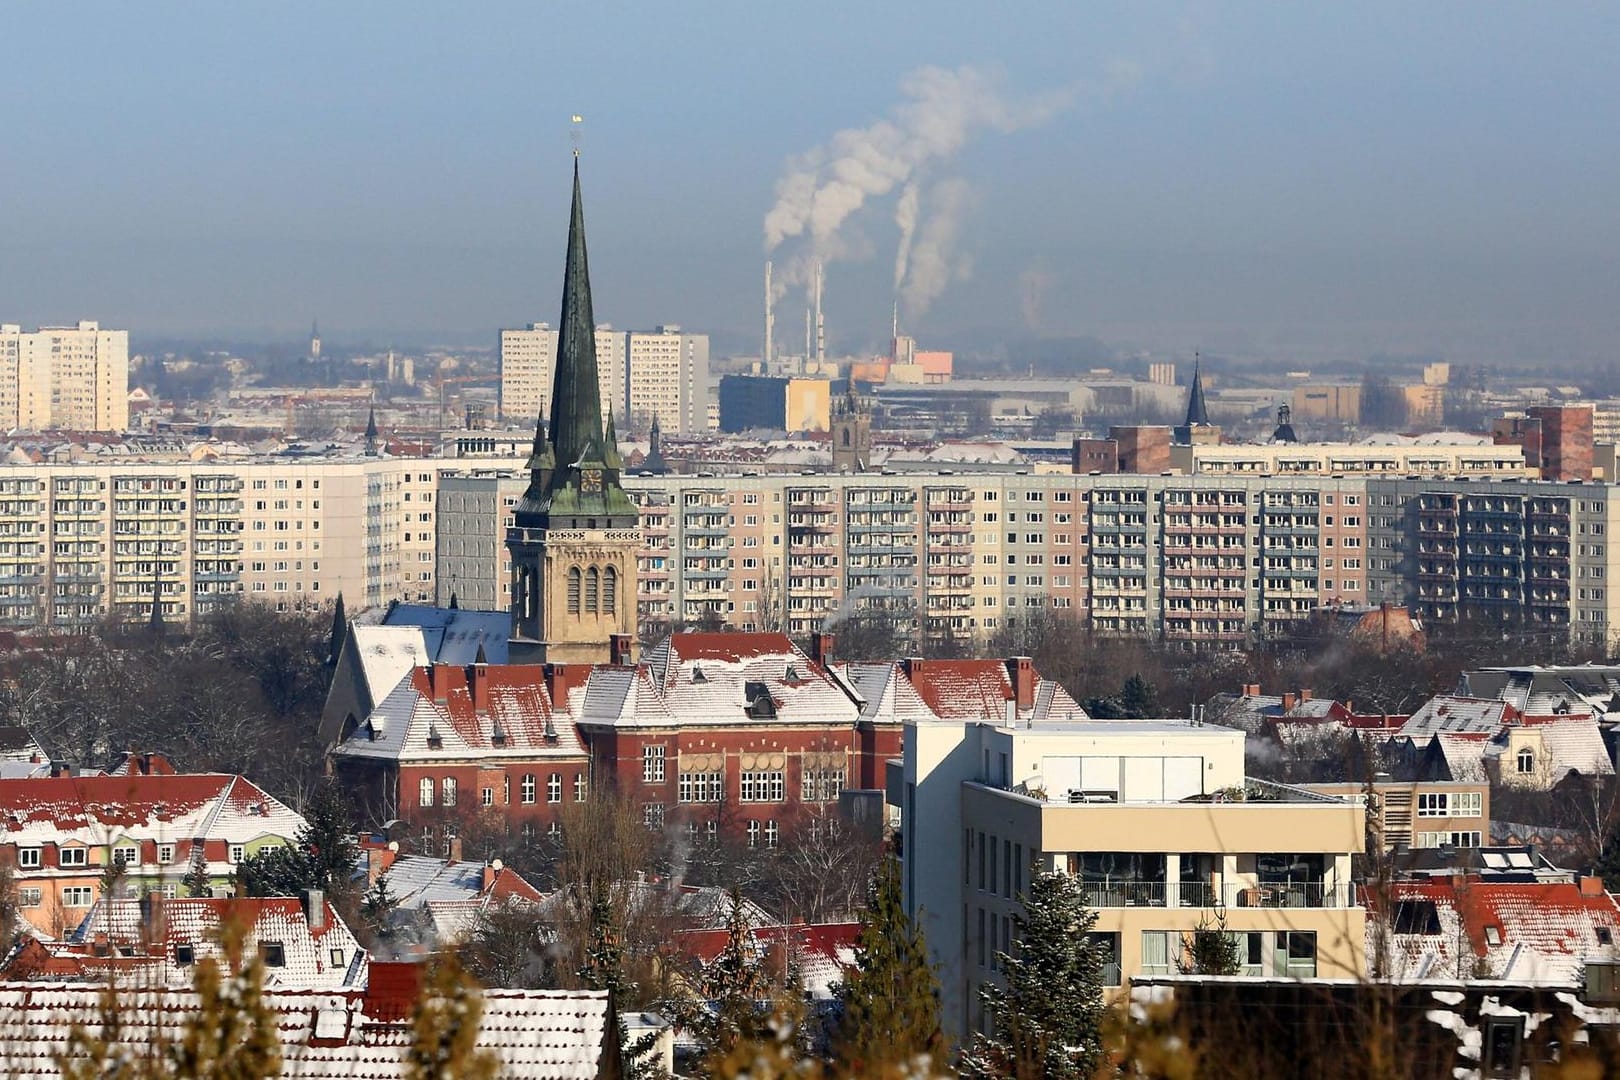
x: 576, y: 533
x: 851, y: 432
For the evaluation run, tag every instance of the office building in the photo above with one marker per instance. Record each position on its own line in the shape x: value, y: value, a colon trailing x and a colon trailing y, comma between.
x: 66, y: 378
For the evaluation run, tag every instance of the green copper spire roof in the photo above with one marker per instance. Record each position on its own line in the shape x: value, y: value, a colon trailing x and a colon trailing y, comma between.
x: 575, y: 430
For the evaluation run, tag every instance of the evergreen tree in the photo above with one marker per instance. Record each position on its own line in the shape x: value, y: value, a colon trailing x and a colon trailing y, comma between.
x: 377, y: 910
x: 1047, y: 1021
x: 322, y: 855
x: 196, y: 880
x: 1212, y: 950
x: 604, y: 970
x: 734, y: 996
x: 891, y: 999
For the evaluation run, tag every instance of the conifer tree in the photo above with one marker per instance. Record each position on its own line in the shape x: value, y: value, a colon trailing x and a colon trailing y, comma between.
x: 891, y: 999
x: 1047, y: 1021
x: 196, y: 880
x: 734, y: 996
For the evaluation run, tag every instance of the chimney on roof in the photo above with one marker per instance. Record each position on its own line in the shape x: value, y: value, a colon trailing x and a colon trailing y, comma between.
x: 1251, y: 689
x: 821, y: 647
x: 478, y: 687
x: 1591, y: 886
x: 1304, y: 694
x: 455, y: 849
x: 1288, y: 702
x: 912, y: 665
x: 619, y: 649
x: 492, y: 871
x: 315, y: 909
x: 1022, y: 670
x: 379, y: 859
x: 151, y: 917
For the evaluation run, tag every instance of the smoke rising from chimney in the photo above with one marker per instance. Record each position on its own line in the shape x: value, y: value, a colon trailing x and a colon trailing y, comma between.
x: 944, y: 109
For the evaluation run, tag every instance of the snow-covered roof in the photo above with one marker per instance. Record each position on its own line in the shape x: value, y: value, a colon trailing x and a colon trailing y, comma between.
x: 1531, y: 932
x: 445, y: 713
x: 454, y: 635
x: 150, y: 938
x: 415, y: 880
x: 958, y: 690
x: 97, y: 810
x: 1546, y: 690
x: 1450, y: 713
x: 541, y: 1034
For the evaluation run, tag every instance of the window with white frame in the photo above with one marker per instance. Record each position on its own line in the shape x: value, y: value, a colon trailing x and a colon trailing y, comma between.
x: 753, y: 834
x: 773, y: 834
x: 701, y: 787
x: 73, y: 856
x: 822, y: 784
x: 768, y: 786
x: 424, y: 791
x: 238, y: 853
x: 1461, y: 838
x: 486, y: 797
x: 78, y: 896
x: 582, y: 787
x: 528, y: 788
x: 165, y: 853
x: 652, y: 764
x: 554, y: 788
x: 127, y: 854
x: 28, y: 858
x: 30, y: 896
x: 652, y: 816
x: 450, y: 790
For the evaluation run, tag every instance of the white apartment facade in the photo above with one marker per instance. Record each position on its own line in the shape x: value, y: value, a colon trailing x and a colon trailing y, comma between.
x: 80, y: 543
x: 669, y: 379
x: 527, y: 356
x: 1156, y: 822
x: 67, y: 378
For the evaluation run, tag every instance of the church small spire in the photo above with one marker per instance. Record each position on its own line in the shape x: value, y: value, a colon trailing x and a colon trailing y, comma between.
x: 575, y: 429
x: 1197, y: 410
x: 371, y: 432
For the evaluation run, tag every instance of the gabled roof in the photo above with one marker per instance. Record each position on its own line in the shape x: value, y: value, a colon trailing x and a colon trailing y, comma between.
x: 1536, y: 689
x: 540, y: 1034
x: 442, y: 713
x: 415, y: 880
x: 1450, y: 713
x: 1528, y: 932
x: 918, y: 690
x: 454, y: 635
x: 97, y: 810
x: 142, y: 938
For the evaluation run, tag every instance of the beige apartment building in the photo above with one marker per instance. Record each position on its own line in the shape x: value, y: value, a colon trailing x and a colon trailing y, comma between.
x: 1156, y: 822
x: 1422, y: 813
x: 80, y: 543
x: 1441, y: 454
x: 65, y: 378
x: 668, y: 378
x: 527, y: 356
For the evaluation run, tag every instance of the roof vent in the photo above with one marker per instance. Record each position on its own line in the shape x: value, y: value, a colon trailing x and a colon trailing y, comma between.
x: 434, y: 739
x: 698, y: 676
x: 792, y: 675
x: 498, y: 736
x: 551, y: 730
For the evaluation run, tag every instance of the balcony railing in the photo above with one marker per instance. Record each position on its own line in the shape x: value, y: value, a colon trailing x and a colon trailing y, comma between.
x: 1201, y: 894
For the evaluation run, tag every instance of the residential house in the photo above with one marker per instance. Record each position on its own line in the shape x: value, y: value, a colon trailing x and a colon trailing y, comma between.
x: 153, y: 942
x: 1420, y: 813
x: 62, y: 833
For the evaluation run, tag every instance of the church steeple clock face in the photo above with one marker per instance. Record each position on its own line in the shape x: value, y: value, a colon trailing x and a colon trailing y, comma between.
x: 590, y: 481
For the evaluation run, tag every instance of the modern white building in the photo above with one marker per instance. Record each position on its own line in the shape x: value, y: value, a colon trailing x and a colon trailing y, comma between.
x: 527, y: 356
x: 1156, y: 820
x: 669, y: 379
x: 70, y: 378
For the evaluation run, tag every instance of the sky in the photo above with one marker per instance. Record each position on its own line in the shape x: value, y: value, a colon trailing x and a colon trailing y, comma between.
x: 1326, y: 181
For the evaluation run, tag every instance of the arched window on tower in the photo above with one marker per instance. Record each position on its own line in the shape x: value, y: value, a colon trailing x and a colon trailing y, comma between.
x: 846, y: 436
x: 610, y: 591
x: 573, y: 590
x: 592, y: 586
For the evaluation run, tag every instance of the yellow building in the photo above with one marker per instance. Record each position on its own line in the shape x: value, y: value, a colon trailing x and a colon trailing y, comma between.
x: 1328, y: 402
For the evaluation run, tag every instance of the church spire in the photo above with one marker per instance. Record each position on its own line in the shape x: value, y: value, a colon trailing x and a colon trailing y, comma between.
x: 575, y: 429
x: 371, y: 432
x: 1197, y: 410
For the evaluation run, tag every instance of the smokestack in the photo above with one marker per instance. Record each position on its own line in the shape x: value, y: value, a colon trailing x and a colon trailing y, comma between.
x: 770, y: 323
x: 821, y: 324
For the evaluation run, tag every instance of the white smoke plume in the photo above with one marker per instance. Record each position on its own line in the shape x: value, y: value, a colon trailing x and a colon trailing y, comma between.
x: 905, y: 216
x: 944, y: 108
x: 934, y: 261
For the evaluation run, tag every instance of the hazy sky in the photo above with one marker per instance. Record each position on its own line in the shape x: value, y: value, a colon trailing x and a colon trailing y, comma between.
x: 1307, y: 177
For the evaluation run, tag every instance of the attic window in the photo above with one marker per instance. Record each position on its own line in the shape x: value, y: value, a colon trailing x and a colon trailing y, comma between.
x: 1416, y: 917
x: 274, y: 953
x: 498, y: 736
x: 184, y: 955
x: 1493, y: 935
x: 698, y: 676
x: 435, y: 740
x: 792, y: 675
x: 1605, y: 936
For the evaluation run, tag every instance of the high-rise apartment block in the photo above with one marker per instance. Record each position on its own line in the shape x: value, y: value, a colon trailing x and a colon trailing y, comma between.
x: 528, y: 357
x: 668, y: 372
x: 68, y: 378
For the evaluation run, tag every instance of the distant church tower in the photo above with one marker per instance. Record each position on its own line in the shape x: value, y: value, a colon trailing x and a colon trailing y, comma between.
x: 851, y: 432
x: 315, y: 342
x: 576, y: 532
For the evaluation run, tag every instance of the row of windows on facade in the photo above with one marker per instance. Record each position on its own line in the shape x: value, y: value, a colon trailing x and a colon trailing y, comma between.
x: 1165, y: 952
x: 127, y: 855
x: 447, y: 791
x: 754, y: 831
